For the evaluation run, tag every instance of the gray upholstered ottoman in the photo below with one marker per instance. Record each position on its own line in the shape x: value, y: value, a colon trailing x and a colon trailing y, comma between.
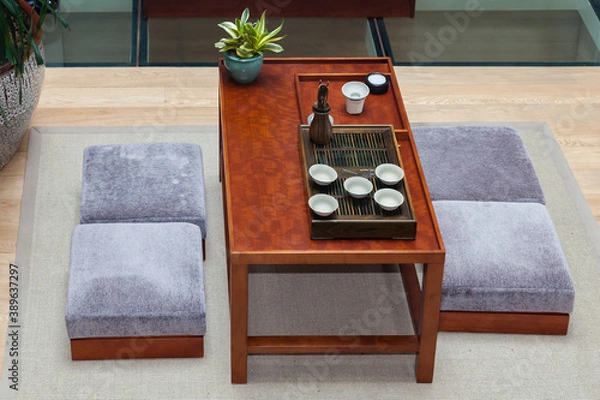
x: 136, y: 291
x: 145, y: 182
x: 477, y: 163
x: 505, y: 270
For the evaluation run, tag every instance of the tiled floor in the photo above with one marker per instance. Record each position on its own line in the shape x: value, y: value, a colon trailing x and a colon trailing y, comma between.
x: 538, y: 37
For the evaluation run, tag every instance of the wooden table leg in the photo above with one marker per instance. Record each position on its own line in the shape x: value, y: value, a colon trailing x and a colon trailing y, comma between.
x: 221, y: 160
x: 430, y: 315
x: 239, y: 323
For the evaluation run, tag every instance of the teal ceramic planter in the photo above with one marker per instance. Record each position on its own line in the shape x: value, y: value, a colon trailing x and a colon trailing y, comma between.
x: 243, y: 70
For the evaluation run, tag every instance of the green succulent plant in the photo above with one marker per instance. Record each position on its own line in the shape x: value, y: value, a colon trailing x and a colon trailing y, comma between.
x: 248, y: 39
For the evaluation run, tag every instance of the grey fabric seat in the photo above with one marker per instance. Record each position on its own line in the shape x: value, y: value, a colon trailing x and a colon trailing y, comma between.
x: 145, y: 182
x: 502, y: 257
x: 477, y: 163
x: 136, y: 280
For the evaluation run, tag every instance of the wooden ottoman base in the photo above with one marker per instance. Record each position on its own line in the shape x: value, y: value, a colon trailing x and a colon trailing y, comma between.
x: 123, y: 348
x: 504, y: 322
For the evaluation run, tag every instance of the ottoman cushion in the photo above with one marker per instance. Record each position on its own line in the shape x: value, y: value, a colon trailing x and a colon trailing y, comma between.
x: 502, y: 257
x: 477, y: 163
x: 135, y: 280
x: 145, y: 182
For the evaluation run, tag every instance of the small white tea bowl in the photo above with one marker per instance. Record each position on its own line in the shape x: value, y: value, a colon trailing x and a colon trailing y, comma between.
x: 322, y: 174
x: 358, y: 186
x: 388, y: 199
x: 323, y: 204
x: 312, y: 116
x: 390, y: 174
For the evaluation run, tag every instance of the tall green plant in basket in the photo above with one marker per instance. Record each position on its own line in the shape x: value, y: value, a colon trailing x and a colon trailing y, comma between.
x: 21, y: 67
x: 21, y: 25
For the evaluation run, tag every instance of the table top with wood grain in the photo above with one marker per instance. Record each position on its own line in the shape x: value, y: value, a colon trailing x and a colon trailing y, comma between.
x: 266, y: 197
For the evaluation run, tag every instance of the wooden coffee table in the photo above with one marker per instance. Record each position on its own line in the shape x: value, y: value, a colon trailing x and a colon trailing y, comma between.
x: 267, y: 220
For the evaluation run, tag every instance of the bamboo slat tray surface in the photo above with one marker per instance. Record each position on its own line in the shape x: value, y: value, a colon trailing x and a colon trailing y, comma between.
x: 356, y: 150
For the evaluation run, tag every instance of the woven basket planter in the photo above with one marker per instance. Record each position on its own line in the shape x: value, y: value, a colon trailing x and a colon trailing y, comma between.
x: 18, y: 113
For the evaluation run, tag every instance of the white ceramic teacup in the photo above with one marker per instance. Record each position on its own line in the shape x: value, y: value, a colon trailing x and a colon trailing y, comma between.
x: 355, y: 93
x: 390, y: 174
x: 323, y: 204
x: 322, y: 174
x: 358, y: 186
x: 388, y: 199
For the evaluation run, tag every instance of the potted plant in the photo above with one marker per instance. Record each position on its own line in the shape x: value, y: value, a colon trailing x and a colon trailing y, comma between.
x: 244, y: 47
x: 21, y: 67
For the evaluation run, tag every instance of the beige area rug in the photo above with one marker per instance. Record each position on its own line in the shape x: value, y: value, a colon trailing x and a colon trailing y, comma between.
x: 467, y: 365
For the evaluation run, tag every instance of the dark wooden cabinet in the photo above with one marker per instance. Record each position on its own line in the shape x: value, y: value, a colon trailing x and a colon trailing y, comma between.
x: 279, y: 8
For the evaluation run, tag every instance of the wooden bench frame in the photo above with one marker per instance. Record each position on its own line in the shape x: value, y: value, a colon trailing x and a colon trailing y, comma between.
x: 483, y: 322
x: 504, y: 322
x: 123, y: 348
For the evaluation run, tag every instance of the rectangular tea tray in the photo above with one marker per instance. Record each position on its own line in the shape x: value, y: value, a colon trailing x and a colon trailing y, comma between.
x: 356, y: 150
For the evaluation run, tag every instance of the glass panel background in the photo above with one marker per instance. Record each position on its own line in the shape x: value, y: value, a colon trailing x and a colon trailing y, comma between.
x: 448, y: 32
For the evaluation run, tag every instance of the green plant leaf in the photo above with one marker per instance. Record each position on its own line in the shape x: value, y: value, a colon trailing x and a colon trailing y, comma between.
x: 12, y: 6
x: 251, y: 32
x: 276, y: 30
x: 269, y: 38
x: 230, y: 28
x: 39, y: 59
x: 261, y: 25
x: 274, y: 47
x: 249, y: 38
x: 245, y: 16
